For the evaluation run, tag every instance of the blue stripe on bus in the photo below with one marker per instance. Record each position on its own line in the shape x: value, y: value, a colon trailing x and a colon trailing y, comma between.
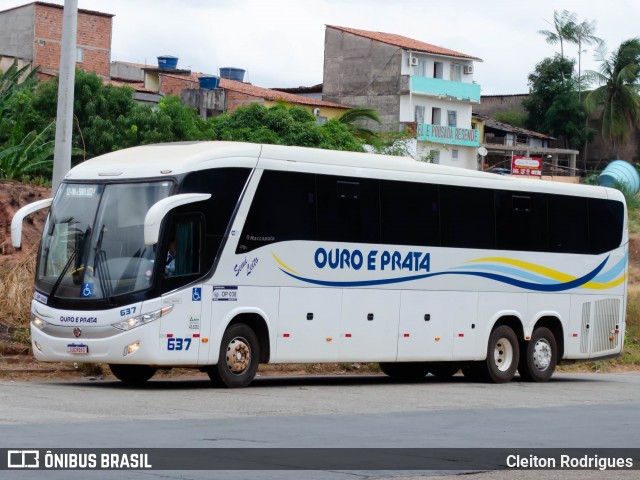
x: 556, y: 287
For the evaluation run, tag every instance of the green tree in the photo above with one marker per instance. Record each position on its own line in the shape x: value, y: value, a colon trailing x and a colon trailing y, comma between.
x: 354, y: 118
x: 282, y: 125
x: 26, y: 151
x: 553, y: 105
x: 618, y: 92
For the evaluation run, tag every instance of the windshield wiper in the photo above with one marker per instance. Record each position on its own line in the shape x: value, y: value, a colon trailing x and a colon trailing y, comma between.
x: 63, y: 273
x: 100, y: 267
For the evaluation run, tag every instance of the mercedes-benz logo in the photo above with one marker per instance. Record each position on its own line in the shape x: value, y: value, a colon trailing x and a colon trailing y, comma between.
x: 77, y: 332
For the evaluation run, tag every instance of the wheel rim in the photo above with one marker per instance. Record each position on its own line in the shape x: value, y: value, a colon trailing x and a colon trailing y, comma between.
x: 238, y: 355
x: 542, y: 354
x: 503, y: 354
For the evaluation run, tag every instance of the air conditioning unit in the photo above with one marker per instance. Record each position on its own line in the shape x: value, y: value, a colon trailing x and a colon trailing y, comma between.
x: 468, y: 69
x: 413, y: 61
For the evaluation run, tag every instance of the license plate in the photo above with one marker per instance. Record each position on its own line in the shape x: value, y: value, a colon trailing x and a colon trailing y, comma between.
x: 77, y: 348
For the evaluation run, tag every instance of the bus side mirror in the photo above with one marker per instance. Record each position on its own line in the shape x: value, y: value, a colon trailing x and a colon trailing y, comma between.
x: 159, y: 210
x: 16, y: 222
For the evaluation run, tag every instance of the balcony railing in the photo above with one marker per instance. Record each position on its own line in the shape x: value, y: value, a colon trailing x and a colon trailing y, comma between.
x: 436, y: 87
x: 467, y: 137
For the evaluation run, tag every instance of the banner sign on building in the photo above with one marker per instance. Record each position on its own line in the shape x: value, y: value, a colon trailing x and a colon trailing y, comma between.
x: 448, y: 135
x: 526, y: 165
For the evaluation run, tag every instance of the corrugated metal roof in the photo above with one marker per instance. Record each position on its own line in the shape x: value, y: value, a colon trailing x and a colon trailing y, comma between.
x: 505, y: 127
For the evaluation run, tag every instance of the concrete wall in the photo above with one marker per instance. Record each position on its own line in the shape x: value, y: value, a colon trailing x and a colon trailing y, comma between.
x: 363, y: 72
x: 17, y: 32
x: 6, y: 62
x: 208, y: 102
x: 126, y: 71
x: 492, y: 104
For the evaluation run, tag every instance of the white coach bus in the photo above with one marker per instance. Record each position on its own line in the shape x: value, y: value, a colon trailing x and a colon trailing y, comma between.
x: 221, y: 256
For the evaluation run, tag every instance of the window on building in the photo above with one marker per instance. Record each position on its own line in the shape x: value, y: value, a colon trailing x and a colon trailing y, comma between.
x: 438, y: 70
x: 452, y: 118
x: 79, y: 54
x: 420, y: 70
x: 436, y: 115
x: 321, y: 120
x: 456, y: 72
x: 419, y: 114
x: 454, y: 154
x: 434, y: 156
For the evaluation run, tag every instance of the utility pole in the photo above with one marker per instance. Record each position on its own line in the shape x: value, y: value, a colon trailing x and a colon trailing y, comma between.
x: 66, y: 82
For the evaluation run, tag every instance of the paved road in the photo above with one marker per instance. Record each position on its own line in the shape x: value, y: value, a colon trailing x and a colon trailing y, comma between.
x: 572, y: 410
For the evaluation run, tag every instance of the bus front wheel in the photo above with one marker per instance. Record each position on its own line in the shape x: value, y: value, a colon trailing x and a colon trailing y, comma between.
x: 501, y: 364
x: 539, y: 357
x: 238, y: 359
x: 503, y: 353
x: 132, y: 374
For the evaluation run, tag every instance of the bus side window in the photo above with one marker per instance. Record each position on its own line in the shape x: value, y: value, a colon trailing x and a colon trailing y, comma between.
x: 410, y: 213
x: 283, y: 208
x: 183, y: 259
x: 348, y: 209
x: 521, y: 221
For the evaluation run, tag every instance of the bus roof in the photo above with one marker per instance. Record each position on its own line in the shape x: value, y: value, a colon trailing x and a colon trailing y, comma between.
x: 153, y: 161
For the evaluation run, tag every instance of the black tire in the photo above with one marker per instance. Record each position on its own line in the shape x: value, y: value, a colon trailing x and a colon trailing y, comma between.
x: 503, y: 354
x: 132, y: 374
x: 410, y: 371
x: 539, y: 356
x: 236, y: 371
x: 443, y: 370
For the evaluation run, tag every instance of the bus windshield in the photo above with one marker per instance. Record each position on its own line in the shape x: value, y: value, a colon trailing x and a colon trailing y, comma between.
x: 93, y: 243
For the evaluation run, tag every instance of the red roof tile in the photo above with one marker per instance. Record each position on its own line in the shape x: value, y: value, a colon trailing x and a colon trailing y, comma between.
x: 269, y: 94
x: 404, y: 42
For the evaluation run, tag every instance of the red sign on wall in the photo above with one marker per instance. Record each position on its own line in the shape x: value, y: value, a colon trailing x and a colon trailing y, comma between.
x: 526, y: 165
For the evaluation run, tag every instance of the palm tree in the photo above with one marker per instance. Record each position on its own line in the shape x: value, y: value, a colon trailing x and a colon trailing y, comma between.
x: 564, y: 24
x: 584, y: 34
x: 353, y: 117
x: 619, y: 90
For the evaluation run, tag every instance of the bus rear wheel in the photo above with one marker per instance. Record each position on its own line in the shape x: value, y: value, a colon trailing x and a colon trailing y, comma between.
x: 238, y: 359
x: 405, y: 370
x: 132, y: 374
x: 538, y: 359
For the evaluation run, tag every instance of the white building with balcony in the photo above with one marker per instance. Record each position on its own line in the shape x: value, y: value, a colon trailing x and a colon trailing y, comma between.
x: 414, y: 86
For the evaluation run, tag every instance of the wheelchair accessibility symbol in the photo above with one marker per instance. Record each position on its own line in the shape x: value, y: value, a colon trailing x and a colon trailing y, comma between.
x: 196, y: 294
x: 87, y: 290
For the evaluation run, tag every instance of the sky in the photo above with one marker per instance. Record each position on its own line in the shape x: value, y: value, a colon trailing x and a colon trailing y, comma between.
x: 280, y: 43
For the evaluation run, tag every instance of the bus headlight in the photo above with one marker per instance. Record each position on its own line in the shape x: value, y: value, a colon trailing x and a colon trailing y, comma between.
x: 129, y: 349
x: 134, y: 322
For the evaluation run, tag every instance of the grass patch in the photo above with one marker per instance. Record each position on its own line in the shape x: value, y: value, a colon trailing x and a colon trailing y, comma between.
x: 16, y: 292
